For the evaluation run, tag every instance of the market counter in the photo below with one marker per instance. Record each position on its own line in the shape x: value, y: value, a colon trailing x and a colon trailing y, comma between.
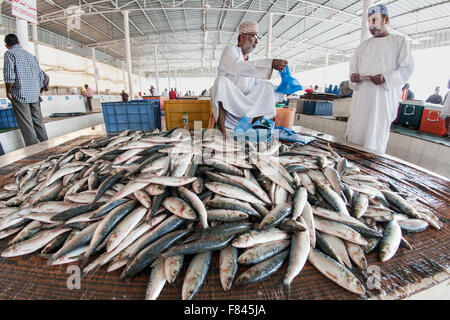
x: 426, y: 266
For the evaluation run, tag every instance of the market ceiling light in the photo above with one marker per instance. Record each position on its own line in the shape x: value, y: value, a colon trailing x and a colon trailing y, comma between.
x: 301, y: 41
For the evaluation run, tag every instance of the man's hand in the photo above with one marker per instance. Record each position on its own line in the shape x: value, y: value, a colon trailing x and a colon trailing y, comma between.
x: 9, y: 95
x: 256, y: 119
x: 378, y: 79
x: 355, y: 78
x: 279, y: 64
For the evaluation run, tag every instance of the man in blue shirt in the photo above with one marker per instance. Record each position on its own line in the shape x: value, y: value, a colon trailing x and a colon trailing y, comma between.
x: 23, y: 81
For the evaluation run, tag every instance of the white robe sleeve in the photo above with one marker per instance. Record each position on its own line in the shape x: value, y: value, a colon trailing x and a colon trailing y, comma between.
x: 261, y: 69
x: 446, y: 109
x: 353, y: 64
x: 405, y: 68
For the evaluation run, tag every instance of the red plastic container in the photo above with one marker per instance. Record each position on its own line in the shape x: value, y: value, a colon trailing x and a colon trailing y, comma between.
x: 432, y: 123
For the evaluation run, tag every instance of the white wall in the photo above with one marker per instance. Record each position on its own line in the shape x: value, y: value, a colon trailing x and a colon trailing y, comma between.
x: 432, y: 69
x: 69, y: 70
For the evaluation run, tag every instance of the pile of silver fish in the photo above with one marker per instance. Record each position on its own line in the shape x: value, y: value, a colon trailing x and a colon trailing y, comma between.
x: 143, y: 201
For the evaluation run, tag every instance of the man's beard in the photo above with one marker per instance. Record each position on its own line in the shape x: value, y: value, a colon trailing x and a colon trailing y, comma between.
x: 378, y: 31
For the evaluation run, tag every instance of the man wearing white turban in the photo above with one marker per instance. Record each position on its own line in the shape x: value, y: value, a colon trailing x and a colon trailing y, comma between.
x: 379, y: 67
x: 239, y: 89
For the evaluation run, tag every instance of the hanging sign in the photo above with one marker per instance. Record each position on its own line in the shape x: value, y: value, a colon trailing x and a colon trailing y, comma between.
x: 25, y: 9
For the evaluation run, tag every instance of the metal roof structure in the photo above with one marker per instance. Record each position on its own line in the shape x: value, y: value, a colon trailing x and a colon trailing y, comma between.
x: 191, y: 34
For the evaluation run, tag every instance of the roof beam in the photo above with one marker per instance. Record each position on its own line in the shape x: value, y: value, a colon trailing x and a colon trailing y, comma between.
x: 60, y: 15
x: 165, y: 14
x: 145, y: 14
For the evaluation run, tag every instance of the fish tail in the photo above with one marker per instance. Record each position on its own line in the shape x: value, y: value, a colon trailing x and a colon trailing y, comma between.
x: 94, y: 271
x: 287, y: 290
x: 50, y: 260
x: 84, y: 261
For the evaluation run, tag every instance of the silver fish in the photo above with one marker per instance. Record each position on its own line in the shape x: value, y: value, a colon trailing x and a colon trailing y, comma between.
x: 335, y: 272
x: 157, y: 281
x: 390, y: 241
x: 300, y: 246
x: 195, y: 275
x: 228, y: 266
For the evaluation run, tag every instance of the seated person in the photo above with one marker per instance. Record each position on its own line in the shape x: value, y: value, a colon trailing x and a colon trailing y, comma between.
x: 435, y: 98
x: 239, y: 90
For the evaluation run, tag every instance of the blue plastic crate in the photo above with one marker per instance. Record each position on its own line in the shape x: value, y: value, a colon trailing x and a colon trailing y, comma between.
x: 318, y: 108
x: 309, y: 107
x: 7, y: 119
x: 142, y: 115
x: 324, y: 108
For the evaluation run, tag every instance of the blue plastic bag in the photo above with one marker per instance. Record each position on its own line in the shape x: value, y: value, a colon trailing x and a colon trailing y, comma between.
x: 288, y: 84
x: 285, y: 134
x: 260, y: 131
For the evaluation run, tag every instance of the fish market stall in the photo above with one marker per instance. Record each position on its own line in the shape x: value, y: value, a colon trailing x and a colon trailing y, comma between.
x: 114, y: 218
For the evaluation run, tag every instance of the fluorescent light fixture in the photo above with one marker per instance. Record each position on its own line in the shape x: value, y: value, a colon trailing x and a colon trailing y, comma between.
x: 50, y: 2
x: 301, y: 41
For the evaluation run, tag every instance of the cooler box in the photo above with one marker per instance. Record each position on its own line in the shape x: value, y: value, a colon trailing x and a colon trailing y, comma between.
x: 342, y: 107
x: 410, y: 115
x: 432, y: 123
x: 398, y: 114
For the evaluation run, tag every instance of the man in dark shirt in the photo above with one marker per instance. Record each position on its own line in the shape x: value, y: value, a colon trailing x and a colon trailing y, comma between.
x: 24, y: 80
x: 435, y: 98
x: 124, y: 96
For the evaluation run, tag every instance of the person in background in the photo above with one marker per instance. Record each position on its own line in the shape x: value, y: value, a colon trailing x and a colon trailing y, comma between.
x: 88, y: 95
x: 45, y: 85
x: 435, y: 98
x: 172, y: 94
x: 445, y: 114
x: 410, y: 94
x: 242, y: 87
x: 316, y: 88
x: 378, y: 68
x: 153, y: 91
x: 165, y: 93
x: 124, y: 96
x: 24, y: 81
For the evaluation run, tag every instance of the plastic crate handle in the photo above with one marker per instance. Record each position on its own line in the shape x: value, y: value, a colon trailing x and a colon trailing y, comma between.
x: 411, y: 113
x: 433, y: 120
